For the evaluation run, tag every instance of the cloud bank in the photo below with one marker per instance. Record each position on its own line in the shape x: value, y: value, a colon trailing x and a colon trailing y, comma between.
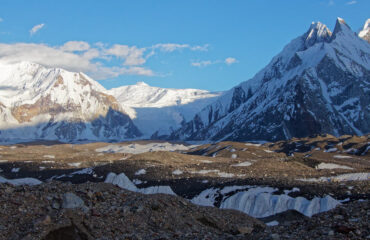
x: 100, y: 61
x: 201, y: 64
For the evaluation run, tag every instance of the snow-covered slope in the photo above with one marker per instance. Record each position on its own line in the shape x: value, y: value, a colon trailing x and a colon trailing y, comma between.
x: 365, y: 32
x: 51, y: 103
x: 157, y: 110
x: 319, y: 83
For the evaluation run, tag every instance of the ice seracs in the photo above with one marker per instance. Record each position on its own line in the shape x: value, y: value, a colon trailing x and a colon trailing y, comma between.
x: 122, y: 181
x: 261, y: 201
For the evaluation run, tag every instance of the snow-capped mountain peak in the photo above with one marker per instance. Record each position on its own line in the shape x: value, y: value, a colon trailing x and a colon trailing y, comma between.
x: 365, y: 32
x: 342, y: 28
x: 319, y: 83
x: 51, y: 103
x: 142, y: 84
x: 159, y: 110
x: 318, y: 32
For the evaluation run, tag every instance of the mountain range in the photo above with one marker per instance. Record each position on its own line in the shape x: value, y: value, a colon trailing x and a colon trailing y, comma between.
x: 319, y: 83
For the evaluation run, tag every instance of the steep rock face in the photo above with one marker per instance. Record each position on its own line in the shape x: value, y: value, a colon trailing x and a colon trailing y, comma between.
x: 42, y: 103
x: 319, y: 83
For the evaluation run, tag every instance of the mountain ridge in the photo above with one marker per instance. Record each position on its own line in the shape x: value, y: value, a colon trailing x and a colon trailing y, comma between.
x: 54, y: 104
x: 316, y: 73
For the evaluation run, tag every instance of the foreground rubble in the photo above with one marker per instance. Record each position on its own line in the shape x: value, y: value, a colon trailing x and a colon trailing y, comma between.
x: 102, y: 211
x: 347, y: 221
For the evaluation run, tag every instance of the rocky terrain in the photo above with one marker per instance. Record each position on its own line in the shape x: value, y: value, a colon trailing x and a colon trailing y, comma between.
x: 305, y: 183
x: 102, y: 211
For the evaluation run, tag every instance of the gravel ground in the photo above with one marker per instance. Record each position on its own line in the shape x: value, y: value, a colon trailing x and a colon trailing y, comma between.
x: 102, y: 211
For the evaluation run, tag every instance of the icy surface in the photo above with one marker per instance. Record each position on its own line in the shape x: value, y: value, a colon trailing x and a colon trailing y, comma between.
x: 141, y: 172
x: 161, y: 109
x: 331, y: 166
x: 330, y: 150
x: 340, y: 178
x: 124, y: 182
x: 20, y: 181
x: 261, y: 201
x: 242, y: 164
x: 272, y: 223
x: 177, y: 172
x: 226, y: 175
x: 76, y: 164
x: 142, y: 148
x: 342, y: 157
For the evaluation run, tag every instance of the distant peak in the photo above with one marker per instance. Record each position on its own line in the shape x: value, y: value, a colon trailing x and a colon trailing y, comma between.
x: 317, y: 32
x: 341, y: 27
x: 341, y: 20
x: 141, y: 84
x: 365, y: 32
x: 367, y: 24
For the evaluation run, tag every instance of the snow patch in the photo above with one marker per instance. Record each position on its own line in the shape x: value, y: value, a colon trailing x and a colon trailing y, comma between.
x: 330, y: 150
x: 124, y: 182
x: 77, y: 164
x: 177, y: 172
x: 242, y: 164
x: 332, y: 166
x: 226, y: 175
x: 141, y: 172
x: 253, y: 144
x: 20, y: 181
x: 272, y: 223
x: 263, y: 204
x: 142, y: 148
x: 340, y: 178
x: 342, y: 156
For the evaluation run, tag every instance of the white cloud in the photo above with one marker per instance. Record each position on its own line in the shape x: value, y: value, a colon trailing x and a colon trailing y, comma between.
x: 230, y: 60
x: 45, y: 55
x: 99, y: 60
x: 36, y: 28
x: 170, y: 47
x: 77, y: 57
x: 331, y: 3
x: 132, y: 55
x: 1, y: 19
x: 202, y: 63
x: 351, y: 2
x: 72, y: 46
x: 112, y: 72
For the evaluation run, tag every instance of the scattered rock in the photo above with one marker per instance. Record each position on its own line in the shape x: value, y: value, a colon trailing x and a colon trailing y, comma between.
x: 71, y: 200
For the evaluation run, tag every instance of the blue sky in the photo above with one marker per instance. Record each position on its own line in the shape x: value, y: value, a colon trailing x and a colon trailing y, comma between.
x: 213, y: 45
